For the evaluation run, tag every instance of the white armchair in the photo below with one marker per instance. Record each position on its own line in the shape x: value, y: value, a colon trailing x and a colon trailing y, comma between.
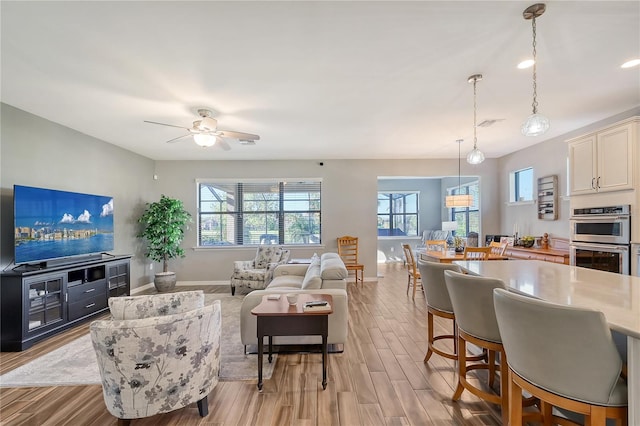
x: 256, y: 274
x: 158, y: 353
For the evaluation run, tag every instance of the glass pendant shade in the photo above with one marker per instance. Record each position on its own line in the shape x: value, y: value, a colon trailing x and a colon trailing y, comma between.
x: 204, y: 140
x: 475, y: 156
x: 535, y: 125
x: 460, y: 200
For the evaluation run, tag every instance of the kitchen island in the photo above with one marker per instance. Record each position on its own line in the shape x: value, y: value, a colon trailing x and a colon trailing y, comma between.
x: 617, y: 296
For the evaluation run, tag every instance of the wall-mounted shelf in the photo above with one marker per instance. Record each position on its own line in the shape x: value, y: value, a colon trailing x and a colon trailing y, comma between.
x: 548, y: 198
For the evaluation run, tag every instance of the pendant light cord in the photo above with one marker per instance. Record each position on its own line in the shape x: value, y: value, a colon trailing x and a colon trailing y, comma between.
x: 475, y: 139
x: 535, y: 94
x: 459, y: 184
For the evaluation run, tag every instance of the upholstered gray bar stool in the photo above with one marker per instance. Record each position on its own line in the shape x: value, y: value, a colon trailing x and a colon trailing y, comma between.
x: 439, y: 304
x: 472, y: 301
x: 564, y: 356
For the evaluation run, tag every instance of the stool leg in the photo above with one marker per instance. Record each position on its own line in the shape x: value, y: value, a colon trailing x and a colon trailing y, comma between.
x: 462, y: 367
x: 515, y: 402
x: 492, y: 367
x: 547, y: 413
x: 504, y: 386
x: 430, y: 336
x: 598, y: 416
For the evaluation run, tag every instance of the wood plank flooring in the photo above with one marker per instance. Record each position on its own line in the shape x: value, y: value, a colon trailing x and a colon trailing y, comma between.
x: 379, y: 379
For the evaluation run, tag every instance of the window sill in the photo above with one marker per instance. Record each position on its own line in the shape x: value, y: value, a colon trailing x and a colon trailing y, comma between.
x: 520, y: 203
x: 254, y: 246
x: 399, y: 237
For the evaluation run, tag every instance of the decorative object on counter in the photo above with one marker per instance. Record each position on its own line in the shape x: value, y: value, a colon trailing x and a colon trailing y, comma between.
x: 536, y: 124
x: 545, y: 241
x: 475, y: 156
x: 527, y: 241
x: 458, y: 200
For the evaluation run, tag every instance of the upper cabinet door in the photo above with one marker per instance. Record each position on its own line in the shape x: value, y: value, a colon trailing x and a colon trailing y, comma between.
x: 582, y: 165
x: 615, y: 158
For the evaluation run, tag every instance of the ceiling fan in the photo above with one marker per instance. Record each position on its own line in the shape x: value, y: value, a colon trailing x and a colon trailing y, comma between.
x: 205, y: 132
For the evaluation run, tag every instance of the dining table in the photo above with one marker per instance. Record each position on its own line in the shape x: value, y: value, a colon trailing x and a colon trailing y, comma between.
x: 450, y: 256
x: 617, y: 296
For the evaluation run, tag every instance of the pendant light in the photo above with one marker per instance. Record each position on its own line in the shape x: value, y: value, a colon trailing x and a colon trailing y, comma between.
x: 536, y: 124
x: 475, y: 156
x: 458, y: 200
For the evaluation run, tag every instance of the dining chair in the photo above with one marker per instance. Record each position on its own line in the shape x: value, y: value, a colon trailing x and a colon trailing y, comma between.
x: 472, y: 302
x: 562, y: 355
x: 413, y: 275
x: 436, y: 244
x: 498, y: 248
x: 348, y: 252
x: 476, y: 253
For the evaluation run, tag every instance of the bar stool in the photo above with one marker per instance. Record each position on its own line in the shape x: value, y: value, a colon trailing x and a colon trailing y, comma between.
x: 563, y: 355
x: 472, y: 300
x: 439, y: 304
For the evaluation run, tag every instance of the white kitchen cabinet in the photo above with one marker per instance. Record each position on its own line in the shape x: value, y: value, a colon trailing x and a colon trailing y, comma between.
x: 603, y: 161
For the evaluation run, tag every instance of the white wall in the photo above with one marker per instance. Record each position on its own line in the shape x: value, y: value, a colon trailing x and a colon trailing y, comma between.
x: 38, y: 152
x: 349, y: 203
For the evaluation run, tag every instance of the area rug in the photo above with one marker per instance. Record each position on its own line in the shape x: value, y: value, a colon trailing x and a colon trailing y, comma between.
x: 75, y: 363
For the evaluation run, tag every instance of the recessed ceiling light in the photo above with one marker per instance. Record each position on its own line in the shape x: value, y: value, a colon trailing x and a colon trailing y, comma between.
x: 631, y: 63
x: 526, y: 64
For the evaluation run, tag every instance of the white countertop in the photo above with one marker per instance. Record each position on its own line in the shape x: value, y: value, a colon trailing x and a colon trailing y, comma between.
x: 615, y: 295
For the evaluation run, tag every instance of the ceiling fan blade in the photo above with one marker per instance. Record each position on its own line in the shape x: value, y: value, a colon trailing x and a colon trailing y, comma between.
x: 222, y: 144
x: 237, y: 135
x: 164, y: 124
x: 174, y: 140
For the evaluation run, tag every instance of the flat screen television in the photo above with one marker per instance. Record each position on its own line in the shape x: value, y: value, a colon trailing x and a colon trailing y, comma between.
x: 60, y: 225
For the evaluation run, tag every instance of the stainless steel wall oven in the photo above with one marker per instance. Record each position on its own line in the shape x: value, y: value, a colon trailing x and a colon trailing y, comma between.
x: 600, y: 238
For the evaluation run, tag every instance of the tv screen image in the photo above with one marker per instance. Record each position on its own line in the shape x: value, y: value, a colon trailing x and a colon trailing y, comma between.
x: 51, y: 224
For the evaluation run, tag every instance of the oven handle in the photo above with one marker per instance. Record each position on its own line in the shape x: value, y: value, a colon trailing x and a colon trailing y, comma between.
x: 599, y: 218
x: 608, y: 247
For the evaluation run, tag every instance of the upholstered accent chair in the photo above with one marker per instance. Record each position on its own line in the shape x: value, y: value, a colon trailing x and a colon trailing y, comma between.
x: 256, y: 274
x: 158, y: 353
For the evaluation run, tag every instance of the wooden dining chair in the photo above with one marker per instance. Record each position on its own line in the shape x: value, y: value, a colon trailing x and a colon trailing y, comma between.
x: 476, y: 253
x: 413, y: 275
x: 436, y: 244
x: 498, y: 248
x: 348, y: 251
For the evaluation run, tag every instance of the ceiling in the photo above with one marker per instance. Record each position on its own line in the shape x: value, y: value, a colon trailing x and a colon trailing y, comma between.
x: 317, y: 80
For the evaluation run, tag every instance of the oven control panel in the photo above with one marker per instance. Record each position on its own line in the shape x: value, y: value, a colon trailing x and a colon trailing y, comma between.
x: 611, y: 210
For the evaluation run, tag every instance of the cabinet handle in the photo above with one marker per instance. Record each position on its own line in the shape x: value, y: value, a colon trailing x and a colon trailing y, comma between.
x: 598, y: 182
x: 90, y: 290
x: 90, y: 305
x: 593, y: 183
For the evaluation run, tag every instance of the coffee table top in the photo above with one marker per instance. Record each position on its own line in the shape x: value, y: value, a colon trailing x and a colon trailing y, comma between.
x: 281, y: 307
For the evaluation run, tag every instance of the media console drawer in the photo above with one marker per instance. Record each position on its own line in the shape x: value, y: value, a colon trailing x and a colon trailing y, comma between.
x: 87, y: 290
x: 87, y: 306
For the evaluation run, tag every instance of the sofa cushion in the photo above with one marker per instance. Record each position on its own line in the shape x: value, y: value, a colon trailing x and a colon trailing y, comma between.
x: 294, y: 281
x: 332, y: 267
x: 312, y: 278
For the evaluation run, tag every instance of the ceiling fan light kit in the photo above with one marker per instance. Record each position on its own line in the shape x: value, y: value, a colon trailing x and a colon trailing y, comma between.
x: 475, y: 156
x: 205, y: 132
x: 536, y: 124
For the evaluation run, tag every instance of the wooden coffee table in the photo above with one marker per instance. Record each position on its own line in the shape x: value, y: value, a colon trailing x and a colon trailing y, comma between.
x: 278, y: 318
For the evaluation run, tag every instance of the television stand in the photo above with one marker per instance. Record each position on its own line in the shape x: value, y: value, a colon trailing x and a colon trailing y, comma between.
x: 38, y: 302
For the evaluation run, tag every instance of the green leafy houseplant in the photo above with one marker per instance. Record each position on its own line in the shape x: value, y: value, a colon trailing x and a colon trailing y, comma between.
x: 164, y: 223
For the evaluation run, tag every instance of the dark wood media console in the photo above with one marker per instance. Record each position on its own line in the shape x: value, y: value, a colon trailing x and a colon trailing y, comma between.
x: 37, y: 303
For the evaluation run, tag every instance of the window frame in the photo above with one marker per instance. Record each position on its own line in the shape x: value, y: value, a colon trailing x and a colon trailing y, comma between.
x: 235, y: 209
x: 391, y: 215
x: 466, y: 211
x: 515, y: 187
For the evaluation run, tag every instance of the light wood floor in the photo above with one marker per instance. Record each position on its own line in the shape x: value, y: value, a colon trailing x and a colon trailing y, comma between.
x: 379, y: 379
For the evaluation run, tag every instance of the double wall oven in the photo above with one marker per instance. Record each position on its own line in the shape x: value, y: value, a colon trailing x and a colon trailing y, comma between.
x: 601, y: 238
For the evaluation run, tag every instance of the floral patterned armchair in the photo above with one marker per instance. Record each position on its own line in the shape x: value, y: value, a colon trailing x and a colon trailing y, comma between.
x: 158, y: 353
x: 256, y: 274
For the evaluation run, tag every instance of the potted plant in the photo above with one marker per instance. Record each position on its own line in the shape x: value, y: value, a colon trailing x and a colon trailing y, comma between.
x: 458, y: 243
x: 163, y: 225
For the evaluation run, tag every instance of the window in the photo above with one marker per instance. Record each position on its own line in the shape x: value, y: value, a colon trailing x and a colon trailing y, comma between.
x: 521, y: 185
x: 467, y: 218
x: 250, y: 213
x: 397, y: 214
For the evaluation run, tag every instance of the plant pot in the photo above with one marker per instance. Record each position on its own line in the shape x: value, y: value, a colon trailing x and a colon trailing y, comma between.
x: 459, y: 249
x: 165, y: 281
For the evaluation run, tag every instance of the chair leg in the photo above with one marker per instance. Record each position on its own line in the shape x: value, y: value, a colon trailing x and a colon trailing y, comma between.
x: 414, y: 288
x: 462, y: 368
x: 492, y: 367
x: 504, y: 386
x: 408, y: 283
x: 598, y: 416
x: 233, y: 290
x: 515, y: 397
x: 547, y: 413
x: 429, y: 336
x: 203, y: 407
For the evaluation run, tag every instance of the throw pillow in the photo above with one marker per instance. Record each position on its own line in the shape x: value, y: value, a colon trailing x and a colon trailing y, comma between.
x: 312, y: 278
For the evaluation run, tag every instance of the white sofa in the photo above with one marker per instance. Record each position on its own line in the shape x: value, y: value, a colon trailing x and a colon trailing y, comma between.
x: 325, y: 275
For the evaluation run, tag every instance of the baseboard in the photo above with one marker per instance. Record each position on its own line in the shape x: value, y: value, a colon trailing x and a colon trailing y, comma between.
x: 150, y: 286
